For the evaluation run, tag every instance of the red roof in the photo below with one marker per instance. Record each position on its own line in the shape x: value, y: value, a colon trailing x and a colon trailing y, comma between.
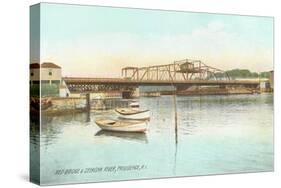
x: 44, y: 65
x: 50, y: 65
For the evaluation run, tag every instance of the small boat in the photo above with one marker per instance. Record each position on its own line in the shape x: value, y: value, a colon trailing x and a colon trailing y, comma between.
x: 122, y: 125
x: 134, y: 104
x: 132, y: 113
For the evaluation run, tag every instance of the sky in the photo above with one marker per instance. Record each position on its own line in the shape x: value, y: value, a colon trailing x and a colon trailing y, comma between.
x: 99, y: 41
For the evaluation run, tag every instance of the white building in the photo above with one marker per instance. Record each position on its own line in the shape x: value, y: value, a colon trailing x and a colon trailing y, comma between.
x: 47, y: 72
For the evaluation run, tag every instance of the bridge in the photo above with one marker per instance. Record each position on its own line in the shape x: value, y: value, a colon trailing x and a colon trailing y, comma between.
x: 180, y: 74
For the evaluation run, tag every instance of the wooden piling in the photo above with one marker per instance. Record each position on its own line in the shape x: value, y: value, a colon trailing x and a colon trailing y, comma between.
x: 176, y: 118
x: 176, y: 131
x: 88, y: 107
x: 88, y: 102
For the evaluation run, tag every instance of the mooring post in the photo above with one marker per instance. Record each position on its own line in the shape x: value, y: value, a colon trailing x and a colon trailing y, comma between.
x: 176, y: 115
x: 88, y: 107
x: 176, y: 129
x: 88, y: 104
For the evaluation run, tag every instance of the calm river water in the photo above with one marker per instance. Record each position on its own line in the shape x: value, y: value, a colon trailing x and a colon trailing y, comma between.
x: 216, y: 135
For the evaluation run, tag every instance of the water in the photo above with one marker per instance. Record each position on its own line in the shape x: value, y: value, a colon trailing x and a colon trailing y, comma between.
x: 216, y: 135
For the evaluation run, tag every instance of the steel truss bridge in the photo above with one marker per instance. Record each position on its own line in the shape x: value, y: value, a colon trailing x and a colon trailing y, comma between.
x: 181, y: 74
x: 182, y: 70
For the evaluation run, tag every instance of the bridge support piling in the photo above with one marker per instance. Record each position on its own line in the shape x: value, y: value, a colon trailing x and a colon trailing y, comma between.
x: 182, y: 87
x: 88, y: 107
x: 131, y: 94
x: 88, y: 102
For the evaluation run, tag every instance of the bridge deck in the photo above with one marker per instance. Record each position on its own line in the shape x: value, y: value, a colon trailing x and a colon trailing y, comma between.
x: 122, y: 81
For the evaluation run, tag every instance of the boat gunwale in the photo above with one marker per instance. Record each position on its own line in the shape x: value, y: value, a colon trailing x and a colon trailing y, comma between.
x: 135, y: 122
x: 133, y: 113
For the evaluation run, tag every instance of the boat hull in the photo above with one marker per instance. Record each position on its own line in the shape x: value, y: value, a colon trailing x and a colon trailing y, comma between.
x: 134, y: 105
x: 138, y: 116
x: 136, y: 127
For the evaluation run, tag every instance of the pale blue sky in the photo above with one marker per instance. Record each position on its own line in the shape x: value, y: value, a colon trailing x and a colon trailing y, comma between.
x: 99, y: 41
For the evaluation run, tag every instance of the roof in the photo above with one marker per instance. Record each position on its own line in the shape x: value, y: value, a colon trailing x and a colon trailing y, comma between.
x: 50, y: 65
x: 34, y: 65
x: 44, y: 65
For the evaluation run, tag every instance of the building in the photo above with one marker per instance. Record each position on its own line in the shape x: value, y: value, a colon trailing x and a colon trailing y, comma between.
x: 48, y: 76
x: 47, y: 72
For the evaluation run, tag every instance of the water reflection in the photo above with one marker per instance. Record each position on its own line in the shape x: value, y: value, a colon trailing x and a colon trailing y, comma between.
x: 136, y: 137
x: 34, y: 133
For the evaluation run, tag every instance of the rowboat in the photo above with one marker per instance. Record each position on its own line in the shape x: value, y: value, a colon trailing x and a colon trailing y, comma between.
x: 122, y: 125
x: 132, y: 113
x: 134, y: 104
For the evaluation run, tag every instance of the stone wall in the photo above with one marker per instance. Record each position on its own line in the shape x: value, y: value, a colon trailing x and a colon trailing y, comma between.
x: 65, y: 105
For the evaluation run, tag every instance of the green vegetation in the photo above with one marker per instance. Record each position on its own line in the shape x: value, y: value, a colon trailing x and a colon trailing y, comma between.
x: 264, y: 75
x: 243, y: 73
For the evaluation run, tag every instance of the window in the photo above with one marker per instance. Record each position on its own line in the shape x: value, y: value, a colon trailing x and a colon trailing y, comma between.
x: 50, y: 72
x: 31, y: 74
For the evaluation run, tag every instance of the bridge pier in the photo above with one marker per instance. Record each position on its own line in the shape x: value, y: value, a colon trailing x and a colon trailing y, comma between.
x: 182, y: 87
x: 131, y: 94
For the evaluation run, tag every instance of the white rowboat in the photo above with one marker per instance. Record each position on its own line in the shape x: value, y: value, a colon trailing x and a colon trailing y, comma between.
x: 122, y: 125
x: 132, y: 113
x: 134, y: 105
